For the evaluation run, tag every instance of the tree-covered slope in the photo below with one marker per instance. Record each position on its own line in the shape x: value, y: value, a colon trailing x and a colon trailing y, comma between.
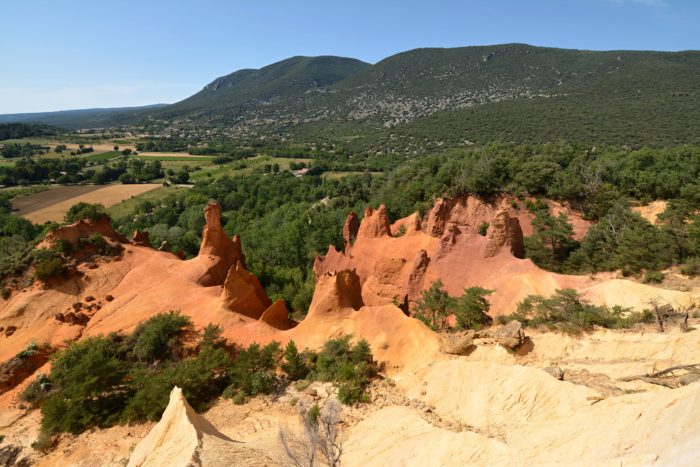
x: 513, y: 92
x: 230, y: 95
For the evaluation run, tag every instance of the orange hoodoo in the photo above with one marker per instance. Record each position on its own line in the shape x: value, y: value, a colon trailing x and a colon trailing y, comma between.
x: 375, y: 223
x: 243, y: 293
x: 221, y: 250
x: 505, y: 232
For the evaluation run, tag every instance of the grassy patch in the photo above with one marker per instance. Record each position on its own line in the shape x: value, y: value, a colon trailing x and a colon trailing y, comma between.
x: 104, y: 157
x: 337, y: 175
x: 127, y: 206
x: 174, y: 158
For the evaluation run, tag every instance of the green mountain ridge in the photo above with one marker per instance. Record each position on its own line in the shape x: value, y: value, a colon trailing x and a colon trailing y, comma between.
x: 288, y: 78
x: 512, y: 92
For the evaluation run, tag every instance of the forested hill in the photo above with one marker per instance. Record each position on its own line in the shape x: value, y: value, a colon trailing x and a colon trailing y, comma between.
x: 432, y: 97
x: 471, y: 94
x: 233, y: 95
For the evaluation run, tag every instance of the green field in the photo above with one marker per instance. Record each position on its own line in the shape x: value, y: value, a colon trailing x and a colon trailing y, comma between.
x: 103, y: 157
x: 337, y: 175
x: 14, y: 192
x: 245, y: 166
x: 175, y: 158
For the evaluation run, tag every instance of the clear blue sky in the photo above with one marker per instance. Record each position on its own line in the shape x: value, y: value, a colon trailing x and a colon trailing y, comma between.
x: 67, y: 54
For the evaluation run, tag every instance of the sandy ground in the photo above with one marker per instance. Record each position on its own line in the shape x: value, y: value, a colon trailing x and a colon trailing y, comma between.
x: 51, y: 205
x: 651, y: 211
x: 492, y: 407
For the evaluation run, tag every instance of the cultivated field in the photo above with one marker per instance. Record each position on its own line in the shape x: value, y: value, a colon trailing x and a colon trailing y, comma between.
x: 51, y: 205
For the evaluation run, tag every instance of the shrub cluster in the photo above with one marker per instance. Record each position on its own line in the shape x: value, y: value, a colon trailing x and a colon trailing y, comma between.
x: 351, y: 366
x: 104, y: 380
x: 566, y: 311
x: 435, y: 306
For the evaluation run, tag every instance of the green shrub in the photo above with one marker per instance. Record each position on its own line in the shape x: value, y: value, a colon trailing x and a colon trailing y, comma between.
x: 37, y: 391
x: 29, y: 351
x: 211, y: 337
x: 567, y: 312
x: 44, y: 442
x: 253, y: 371
x: 89, y: 377
x: 434, y: 306
x: 655, y: 277
x: 472, y: 308
x: 350, y: 366
x: 401, y: 231
x: 5, y: 293
x: 15, y: 254
x: 100, y: 245
x: 82, y: 210
x: 483, y: 228
x: 157, y: 338
x: 49, y: 263
x: 691, y: 266
x: 201, y: 378
x: 294, y: 364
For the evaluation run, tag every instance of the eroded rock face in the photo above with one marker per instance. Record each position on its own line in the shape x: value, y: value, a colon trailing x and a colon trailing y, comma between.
x: 72, y: 233
x: 184, y: 438
x: 438, y: 217
x: 350, y: 229
x: 415, y: 279
x: 375, y: 223
x: 17, y: 369
x: 141, y: 238
x: 336, y: 291
x: 243, y: 293
x: 221, y: 250
x: 505, y: 232
x: 277, y: 316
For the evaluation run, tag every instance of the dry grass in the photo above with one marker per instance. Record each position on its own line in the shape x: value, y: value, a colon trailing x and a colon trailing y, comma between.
x: 51, y: 205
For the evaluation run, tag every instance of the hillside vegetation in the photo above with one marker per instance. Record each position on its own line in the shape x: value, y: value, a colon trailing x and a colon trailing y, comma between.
x: 423, y: 99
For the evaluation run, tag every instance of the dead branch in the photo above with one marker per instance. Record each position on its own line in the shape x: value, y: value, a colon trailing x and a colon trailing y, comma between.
x: 664, y: 377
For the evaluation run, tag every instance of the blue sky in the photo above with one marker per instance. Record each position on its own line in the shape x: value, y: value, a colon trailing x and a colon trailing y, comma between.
x: 67, y: 54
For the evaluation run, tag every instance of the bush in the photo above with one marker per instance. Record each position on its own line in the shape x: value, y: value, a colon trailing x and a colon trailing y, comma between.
x: 350, y: 366
x: 434, y: 306
x: 44, y: 443
x: 5, y: 293
x: 89, y: 377
x: 483, y: 228
x: 691, y: 266
x: 157, y: 338
x: 97, y: 242
x: 29, y: 350
x: 253, y: 371
x: 655, y: 277
x: 84, y: 210
x: 48, y: 263
x: 294, y: 364
x: 472, y: 308
x: 37, y: 391
x: 201, y: 378
x: 400, y: 231
x: 567, y: 312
